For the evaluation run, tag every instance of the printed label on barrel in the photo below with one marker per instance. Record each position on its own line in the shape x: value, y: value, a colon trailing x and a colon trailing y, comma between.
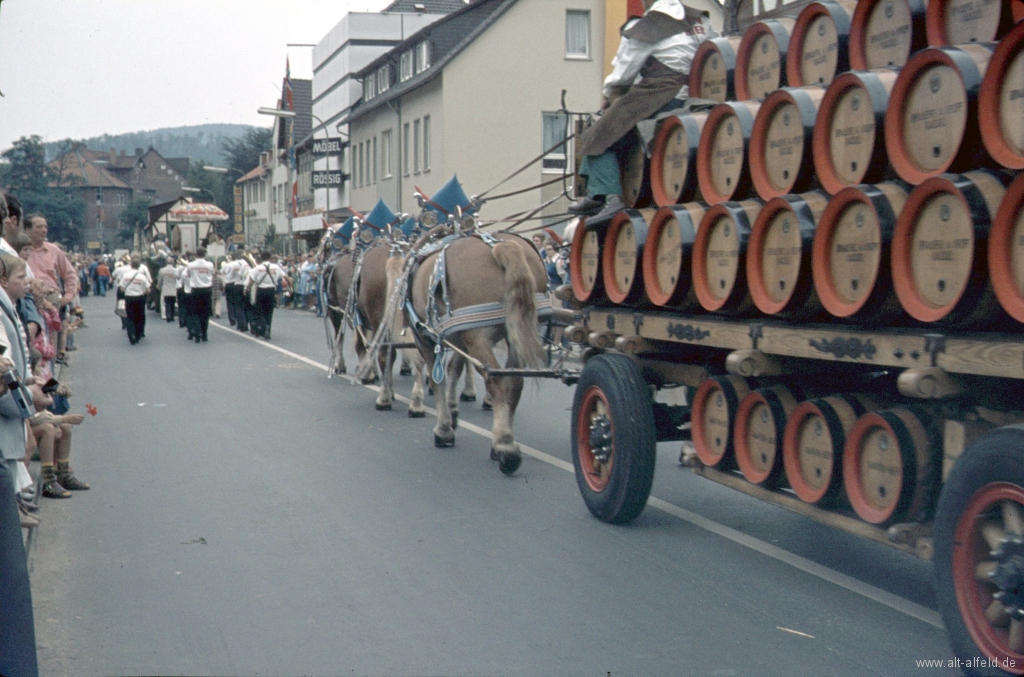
x: 814, y: 450
x: 888, y: 33
x: 820, y: 54
x: 780, y: 262
x: 723, y: 257
x: 589, y: 253
x: 714, y: 78
x: 764, y: 70
x: 852, y: 135
x: 935, y: 117
x: 727, y: 155
x: 972, y: 20
x: 717, y: 425
x: 1011, y: 104
x: 942, y: 250
x: 784, y: 146
x: 856, y: 252
x: 881, y: 470
x: 625, y: 257
x: 761, y: 433
x: 670, y: 254
x: 677, y: 162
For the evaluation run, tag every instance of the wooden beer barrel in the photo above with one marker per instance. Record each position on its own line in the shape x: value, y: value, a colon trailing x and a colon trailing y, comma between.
x: 585, y: 261
x: 818, y: 44
x: 712, y: 416
x: 633, y: 163
x: 884, y: 33
x: 1006, y: 251
x: 780, y: 142
x: 779, y: 255
x: 849, y: 134
x: 761, y: 59
x: 719, y: 272
x: 931, y: 126
x: 940, y: 248
x: 667, y: 256
x: 956, y: 22
x: 622, y: 251
x: 812, y: 446
x: 891, y: 465
x: 759, y: 432
x: 674, y: 159
x: 722, y: 170
x: 850, y: 255
x: 712, y: 74
x: 1001, y: 101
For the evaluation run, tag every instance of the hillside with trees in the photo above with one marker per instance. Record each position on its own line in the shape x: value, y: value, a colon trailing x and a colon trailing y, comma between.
x: 202, y: 143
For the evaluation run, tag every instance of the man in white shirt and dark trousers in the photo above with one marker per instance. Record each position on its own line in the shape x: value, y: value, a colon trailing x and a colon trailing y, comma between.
x: 167, y: 280
x: 650, y: 69
x: 200, y: 279
x: 241, y: 274
x: 263, y: 279
x: 135, y: 283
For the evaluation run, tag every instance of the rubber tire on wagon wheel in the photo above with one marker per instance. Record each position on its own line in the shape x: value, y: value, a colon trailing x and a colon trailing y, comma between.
x: 979, y: 552
x: 613, y: 438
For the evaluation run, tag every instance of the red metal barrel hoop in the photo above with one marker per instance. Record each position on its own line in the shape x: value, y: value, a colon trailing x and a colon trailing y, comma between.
x: 818, y: 43
x: 761, y: 59
x: 781, y: 149
x: 1001, y: 101
x: 667, y: 256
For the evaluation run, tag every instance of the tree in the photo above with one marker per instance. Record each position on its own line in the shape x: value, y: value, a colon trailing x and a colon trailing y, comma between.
x: 43, y: 189
x: 243, y: 154
x: 134, y: 217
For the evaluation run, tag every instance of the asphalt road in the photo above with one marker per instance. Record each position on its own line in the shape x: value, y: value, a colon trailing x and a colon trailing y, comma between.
x: 249, y: 516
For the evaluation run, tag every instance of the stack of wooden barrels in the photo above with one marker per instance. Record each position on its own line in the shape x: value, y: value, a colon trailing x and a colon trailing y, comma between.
x: 862, y: 166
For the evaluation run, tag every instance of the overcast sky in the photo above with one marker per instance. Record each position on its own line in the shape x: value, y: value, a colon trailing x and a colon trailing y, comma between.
x: 87, y: 67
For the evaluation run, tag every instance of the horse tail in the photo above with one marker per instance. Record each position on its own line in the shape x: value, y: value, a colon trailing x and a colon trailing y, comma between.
x: 524, y: 346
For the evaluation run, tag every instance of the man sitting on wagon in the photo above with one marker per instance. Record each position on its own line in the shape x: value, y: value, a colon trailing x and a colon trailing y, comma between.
x: 650, y: 69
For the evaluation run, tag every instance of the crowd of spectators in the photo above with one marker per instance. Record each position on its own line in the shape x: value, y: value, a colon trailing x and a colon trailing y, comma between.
x: 39, y: 315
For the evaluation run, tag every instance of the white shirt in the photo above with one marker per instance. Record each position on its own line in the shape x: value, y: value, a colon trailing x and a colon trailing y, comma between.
x: 168, y: 276
x: 135, y: 282
x: 227, y: 269
x: 180, y: 270
x: 200, y: 274
x: 115, y: 275
x: 676, y: 51
x: 241, y: 271
x: 265, y: 276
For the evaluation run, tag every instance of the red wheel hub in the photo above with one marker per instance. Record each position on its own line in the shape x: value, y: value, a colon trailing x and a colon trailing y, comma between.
x: 988, y: 572
x: 594, y: 439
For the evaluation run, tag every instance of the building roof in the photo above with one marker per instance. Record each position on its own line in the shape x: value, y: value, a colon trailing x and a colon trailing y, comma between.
x: 448, y: 37
x: 78, y: 167
x: 302, y: 100
x: 424, y: 6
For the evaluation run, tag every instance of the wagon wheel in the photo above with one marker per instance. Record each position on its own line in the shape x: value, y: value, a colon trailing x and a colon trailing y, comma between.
x: 613, y: 438
x: 979, y: 553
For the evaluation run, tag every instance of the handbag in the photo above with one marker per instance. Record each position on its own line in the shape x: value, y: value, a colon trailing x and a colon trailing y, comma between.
x: 119, y: 309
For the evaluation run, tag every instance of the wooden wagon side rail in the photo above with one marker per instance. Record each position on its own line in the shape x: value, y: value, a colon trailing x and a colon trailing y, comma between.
x: 999, y: 355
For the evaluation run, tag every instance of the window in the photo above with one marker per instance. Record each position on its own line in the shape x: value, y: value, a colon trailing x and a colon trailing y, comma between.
x: 383, y: 78
x: 361, y: 166
x: 405, y: 66
x: 375, y: 159
x: 99, y: 196
x: 416, y: 147
x: 426, y: 143
x: 422, y: 56
x: 370, y: 87
x: 99, y: 220
x: 385, y: 154
x: 405, y: 150
x: 577, y: 34
x: 555, y: 125
x: 263, y: 191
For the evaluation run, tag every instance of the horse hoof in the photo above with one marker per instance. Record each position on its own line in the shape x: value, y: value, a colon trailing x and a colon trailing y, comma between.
x: 486, y: 406
x: 417, y: 414
x: 467, y: 398
x: 494, y: 454
x: 508, y: 462
x: 383, y: 407
x: 455, y: 419
x: 340, y: 370
x: 370, y: 381
x: 405, y: 371
x: 441, y: 442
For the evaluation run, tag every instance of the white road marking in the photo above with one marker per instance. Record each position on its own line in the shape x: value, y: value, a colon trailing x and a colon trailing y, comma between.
x: 895, y: 602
